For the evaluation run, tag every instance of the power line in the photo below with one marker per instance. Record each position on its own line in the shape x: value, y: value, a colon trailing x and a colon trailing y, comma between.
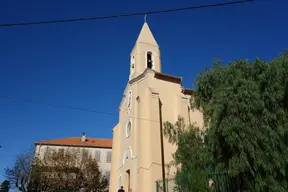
x: 70, y: 107
x: 56, y: 106
x: 124, y: 15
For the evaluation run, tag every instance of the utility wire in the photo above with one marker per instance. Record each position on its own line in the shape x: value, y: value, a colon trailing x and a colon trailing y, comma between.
x: 124, y: 15
x: 56, y: 106
x: 70, y: 107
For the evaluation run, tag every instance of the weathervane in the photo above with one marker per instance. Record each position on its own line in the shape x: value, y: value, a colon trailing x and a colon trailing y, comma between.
x: 145, y: 16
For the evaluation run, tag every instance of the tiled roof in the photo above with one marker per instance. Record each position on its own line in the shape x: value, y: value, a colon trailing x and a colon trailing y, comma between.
x: 187, y: 91
x: 76, y: 141
x: 167, y: 77
x: 158, y: 75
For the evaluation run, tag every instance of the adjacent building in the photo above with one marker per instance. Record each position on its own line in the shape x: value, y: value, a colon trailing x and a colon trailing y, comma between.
x: 99, y: 149
x: 150, y: 95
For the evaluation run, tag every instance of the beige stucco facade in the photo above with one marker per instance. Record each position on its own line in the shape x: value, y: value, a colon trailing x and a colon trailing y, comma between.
x: 136, y: 154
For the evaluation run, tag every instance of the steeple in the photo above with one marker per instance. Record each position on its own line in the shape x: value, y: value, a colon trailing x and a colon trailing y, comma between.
x: 146, y: 36
x: 145, y: 54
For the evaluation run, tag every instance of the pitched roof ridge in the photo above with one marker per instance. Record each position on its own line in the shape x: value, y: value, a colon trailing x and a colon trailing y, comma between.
x: 76, y: 141
x: 166, y: 74
x: 76, y: 138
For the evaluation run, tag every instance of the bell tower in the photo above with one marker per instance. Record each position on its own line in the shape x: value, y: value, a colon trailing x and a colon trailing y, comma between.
x: 145, y: 54
x: 150, y: 95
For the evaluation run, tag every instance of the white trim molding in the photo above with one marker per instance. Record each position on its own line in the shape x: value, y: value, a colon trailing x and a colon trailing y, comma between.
x: 126, y: 128
x: 128, y: 149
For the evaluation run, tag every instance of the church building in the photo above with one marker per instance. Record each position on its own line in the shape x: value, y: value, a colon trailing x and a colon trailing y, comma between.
x: 150, y: 97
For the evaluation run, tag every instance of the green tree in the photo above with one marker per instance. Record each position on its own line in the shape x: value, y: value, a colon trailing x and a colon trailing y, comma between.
x: 5, y: 186
x: 190, y: 155
x: 245, y: 109
x: 70, y: 169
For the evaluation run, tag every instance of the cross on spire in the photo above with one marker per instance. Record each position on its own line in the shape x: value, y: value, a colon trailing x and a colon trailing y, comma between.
x: 145, y: 18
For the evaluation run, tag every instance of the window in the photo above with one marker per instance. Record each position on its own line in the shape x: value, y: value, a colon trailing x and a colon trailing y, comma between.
x: 128, y: 178
x: 98, y: 155
x: 129, y: 99
x: 132, y: 68
x: 107, y: 175
x: 127, y: 155
x: 132, y: 65
x: 128, y: 128
x: 61, y: 151
x: 149, y: 60
x: 129, y: 102
x: 108, y: 157
x: 85, y: 155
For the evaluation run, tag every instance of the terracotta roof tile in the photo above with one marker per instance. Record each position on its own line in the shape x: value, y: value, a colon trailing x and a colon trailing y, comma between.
x: 158, y: 75
x: 76, y: 141
x: 167, y: 77
x: 187, y: 91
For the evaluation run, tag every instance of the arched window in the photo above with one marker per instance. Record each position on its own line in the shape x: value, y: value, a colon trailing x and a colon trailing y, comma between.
x: 129, y: 103
x: 129, y: 99
x: 127, y: 155
x: 132, y: 63
x: 149, y: 60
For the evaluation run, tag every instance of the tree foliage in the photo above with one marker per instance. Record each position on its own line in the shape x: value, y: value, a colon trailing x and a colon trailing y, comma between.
x: 19, y: 175
x: 245, y: 110
x: 69, y: 169
x: 5, y: 186
x: 190, y: 155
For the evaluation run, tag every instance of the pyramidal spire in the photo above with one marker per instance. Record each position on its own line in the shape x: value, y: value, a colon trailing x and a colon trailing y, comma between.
x: 146, y: 35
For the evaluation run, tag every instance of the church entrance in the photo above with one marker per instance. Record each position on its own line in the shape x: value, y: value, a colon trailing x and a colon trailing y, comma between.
x: 128, y: 181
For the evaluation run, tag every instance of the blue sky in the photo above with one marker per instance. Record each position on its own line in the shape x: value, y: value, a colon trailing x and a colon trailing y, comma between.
x: 86, y: 64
